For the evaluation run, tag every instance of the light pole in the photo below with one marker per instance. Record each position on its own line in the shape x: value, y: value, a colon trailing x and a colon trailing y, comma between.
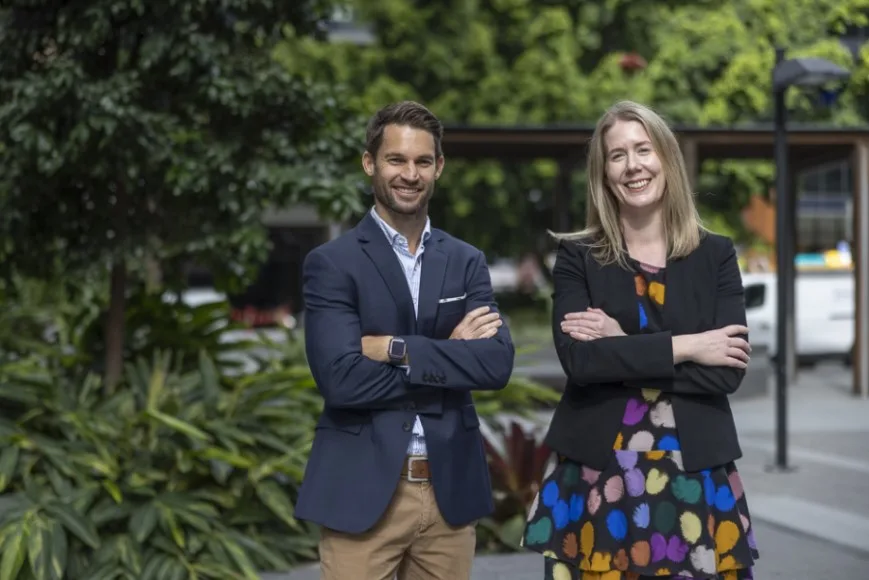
x: 806, y: 72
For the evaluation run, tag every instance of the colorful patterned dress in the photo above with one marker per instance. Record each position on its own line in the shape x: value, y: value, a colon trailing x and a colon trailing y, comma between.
x: 644, y: 515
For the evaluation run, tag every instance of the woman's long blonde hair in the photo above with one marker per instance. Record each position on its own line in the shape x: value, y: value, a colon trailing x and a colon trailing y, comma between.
x: 603, y: 230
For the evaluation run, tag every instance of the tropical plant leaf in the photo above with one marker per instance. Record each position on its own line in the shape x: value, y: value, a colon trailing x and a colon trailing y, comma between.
x: 77, y: 524
x: 8, y: 463
x: 210, y: 380
x: 277, y: 501
x: 169, y: 520
x: 240, y: 558
x: 39, y: 545
x: 143, y: 521
x: 59, y: 550
x: 179, y: 426
x: 14, y: 552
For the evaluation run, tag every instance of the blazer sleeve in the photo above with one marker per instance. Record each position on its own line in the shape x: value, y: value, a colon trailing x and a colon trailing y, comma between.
x: 482, y: 364
x: 691, y: 378
x: 333, y: 343
x: 614, y: 359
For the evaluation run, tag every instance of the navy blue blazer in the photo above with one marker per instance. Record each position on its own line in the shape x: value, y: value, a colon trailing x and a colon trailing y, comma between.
x: 354, y: 286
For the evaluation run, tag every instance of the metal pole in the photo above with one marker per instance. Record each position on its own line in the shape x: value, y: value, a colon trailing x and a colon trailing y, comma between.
x: 783, y: 237
x: 860, y: 250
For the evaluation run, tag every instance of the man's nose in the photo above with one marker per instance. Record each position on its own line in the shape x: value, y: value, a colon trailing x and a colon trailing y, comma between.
x: 410, y: 173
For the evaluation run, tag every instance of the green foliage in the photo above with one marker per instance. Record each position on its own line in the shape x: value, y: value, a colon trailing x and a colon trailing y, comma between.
x: 133, y: 130
x: 47, y: 318
x: 175, y: 475
x: 516, y: 462
x: 189, y: 468
x: 154, y: 323
x: 521, y: 396
x: 527, y: 62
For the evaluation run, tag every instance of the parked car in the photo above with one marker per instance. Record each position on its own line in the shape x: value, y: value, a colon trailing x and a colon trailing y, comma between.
x: 823, y: 313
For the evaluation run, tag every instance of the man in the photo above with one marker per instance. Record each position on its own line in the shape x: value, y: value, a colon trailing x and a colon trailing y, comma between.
x: 400, y: 327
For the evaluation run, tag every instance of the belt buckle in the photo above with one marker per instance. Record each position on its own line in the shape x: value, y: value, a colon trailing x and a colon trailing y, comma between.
x: 410, y: 476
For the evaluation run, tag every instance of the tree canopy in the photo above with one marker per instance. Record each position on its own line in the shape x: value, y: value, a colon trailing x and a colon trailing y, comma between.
x: 531, y: 62
x: 161, y: 129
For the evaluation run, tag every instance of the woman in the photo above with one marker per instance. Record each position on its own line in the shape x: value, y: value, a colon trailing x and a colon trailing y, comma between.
x: 649, y: 325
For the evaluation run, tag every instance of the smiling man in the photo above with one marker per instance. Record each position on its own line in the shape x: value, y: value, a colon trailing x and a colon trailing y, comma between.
x: 400, y: 327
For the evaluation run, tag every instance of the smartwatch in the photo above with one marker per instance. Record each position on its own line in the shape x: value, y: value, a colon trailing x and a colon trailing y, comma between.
x: 397, y: 350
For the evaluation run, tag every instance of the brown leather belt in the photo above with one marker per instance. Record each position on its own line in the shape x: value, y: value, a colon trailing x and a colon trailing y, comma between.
x: 416, y: 469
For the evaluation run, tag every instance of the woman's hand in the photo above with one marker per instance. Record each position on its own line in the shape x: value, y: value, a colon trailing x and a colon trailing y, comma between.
x: 592, y: 324
x: 715, y: 348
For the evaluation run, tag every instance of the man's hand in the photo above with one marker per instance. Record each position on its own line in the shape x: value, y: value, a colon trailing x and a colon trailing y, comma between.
x: 478, y: 323
x: 590, y: 325
x: 376, y: 348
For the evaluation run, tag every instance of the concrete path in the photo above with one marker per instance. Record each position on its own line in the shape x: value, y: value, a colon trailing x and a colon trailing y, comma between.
x: 824, y: 493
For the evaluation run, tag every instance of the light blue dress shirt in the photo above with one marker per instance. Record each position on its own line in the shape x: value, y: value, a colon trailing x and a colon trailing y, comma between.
x: 411, y: 265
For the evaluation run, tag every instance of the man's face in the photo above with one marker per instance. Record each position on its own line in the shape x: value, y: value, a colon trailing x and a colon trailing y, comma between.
x: 405, y: 170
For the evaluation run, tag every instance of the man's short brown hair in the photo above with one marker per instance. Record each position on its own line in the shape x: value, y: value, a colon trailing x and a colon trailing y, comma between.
x: 407, y: 114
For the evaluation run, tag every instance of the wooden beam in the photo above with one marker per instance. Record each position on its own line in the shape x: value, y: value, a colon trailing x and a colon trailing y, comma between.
x: 689, y: 152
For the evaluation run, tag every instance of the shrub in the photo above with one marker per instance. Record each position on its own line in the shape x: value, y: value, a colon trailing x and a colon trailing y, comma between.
x: 178, y: 474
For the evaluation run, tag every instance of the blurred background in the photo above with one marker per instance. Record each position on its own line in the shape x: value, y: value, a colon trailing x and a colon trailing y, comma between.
x: 166, y: 166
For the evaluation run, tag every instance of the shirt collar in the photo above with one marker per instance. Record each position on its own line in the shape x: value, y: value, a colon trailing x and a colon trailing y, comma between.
x: 394, y: 236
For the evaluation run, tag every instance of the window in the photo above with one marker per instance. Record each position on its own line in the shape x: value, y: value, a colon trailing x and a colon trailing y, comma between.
x: 834, y: 182
x: 822, y: 207
x: 755, y: 294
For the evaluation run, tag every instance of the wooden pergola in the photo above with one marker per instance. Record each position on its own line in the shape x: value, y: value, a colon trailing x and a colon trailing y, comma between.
x: 807, y: 147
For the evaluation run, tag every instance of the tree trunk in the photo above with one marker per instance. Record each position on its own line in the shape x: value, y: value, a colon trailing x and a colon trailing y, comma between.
x: 114, y: 331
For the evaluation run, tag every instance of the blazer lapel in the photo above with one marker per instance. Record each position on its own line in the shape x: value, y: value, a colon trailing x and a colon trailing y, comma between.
x: 378, y: 249
x: 620, y: 295
x: 678, y: 289
x: 623, y: 288
x: 434, y: 266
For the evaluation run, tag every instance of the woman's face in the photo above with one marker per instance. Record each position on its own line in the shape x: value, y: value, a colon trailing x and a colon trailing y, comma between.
x: 633, y: 170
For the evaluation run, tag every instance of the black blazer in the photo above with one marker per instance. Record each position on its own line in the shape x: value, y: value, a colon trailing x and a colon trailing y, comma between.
x: 704, y: 292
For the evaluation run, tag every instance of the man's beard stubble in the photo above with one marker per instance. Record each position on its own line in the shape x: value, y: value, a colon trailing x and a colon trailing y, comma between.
x: 385, y: 198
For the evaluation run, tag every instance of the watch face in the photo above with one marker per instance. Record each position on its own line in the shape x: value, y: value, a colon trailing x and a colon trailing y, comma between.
x: 396, y: 349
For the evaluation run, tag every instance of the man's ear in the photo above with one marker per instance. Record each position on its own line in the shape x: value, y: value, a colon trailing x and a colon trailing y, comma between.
x: 439, y: 166
x: 368, y: 163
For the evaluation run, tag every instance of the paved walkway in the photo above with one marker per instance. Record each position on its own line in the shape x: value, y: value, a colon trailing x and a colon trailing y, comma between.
x: 811, y: 523
x: 826, y: 494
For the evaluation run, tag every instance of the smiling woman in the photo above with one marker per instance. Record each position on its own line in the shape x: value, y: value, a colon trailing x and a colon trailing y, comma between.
x: 649, y: 326
x: 633, y: 169
x: 630, y: 145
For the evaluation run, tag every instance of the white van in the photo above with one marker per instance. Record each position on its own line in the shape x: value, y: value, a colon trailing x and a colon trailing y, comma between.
x: 823, y: 308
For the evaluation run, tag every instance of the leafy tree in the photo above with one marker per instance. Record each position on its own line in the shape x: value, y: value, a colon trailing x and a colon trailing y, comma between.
x: 133, y: 132
x: 528, y: 62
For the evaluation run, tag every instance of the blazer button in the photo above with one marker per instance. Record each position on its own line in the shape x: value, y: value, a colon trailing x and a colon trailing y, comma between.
x: 409, y: 407
x: 407, y: 426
